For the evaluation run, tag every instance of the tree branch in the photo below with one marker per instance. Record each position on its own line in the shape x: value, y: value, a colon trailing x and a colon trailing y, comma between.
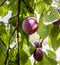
x: 7, y: 57
x: 29, y: 8
x: 18, y: 21
x: 2, y: 2
x: 16, y: 28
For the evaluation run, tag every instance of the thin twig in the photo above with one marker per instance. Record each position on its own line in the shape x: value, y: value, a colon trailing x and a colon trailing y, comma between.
x: 2, y: 2
x: 18, y: 20
x: 13, y: 33
x: 6, y: 61
x: 7, y: 57
x: 29, y: 8
x: 13, y: 16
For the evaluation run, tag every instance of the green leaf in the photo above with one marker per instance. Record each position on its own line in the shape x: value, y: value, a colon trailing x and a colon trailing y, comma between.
x: 23, y: 57
x: 13, y: 6
x: 33, y: 37
x: 26, y: 49
x: 2, y: 28
x: 48, y: 2
x: 32, y: 4
x: 28, y: 62
x: 3, y: 10
x: 31, y: 48
x: 3, y: 51
x: 51, y: 17
x: 43, y: 30
x: 13, y: 54
x: 27, y: 6
x: 13, y: 21
x: 39, y: 6
x: 12, y: 63
x: 54, y: 37
x: 5, y: 37
x: 51, y: 54
x: 13, y: 38
x: 59, y: 62
x: 24, y: 37
x: 0, y: 0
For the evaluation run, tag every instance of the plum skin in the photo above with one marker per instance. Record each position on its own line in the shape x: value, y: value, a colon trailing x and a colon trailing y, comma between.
x: 30, y: 25
x: 38, y: 54
x: 57, y: 22
x: 58, y: 10
x: 36, y: 43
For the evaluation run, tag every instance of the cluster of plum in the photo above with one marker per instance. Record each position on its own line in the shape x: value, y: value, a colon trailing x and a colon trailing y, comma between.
x: 38, y: 53
x: 30, y: 26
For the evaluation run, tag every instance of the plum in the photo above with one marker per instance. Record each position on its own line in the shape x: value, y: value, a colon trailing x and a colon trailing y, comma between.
x: 36, y: 43
x: 30, y: 25
x: 57, y: 22
x: 38, y: 54
x: 58, y: 10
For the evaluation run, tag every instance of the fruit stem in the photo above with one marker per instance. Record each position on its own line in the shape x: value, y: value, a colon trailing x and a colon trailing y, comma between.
x: 40, y: 42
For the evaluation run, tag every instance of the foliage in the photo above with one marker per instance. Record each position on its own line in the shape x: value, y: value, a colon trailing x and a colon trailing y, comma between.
x: 46, y: 29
